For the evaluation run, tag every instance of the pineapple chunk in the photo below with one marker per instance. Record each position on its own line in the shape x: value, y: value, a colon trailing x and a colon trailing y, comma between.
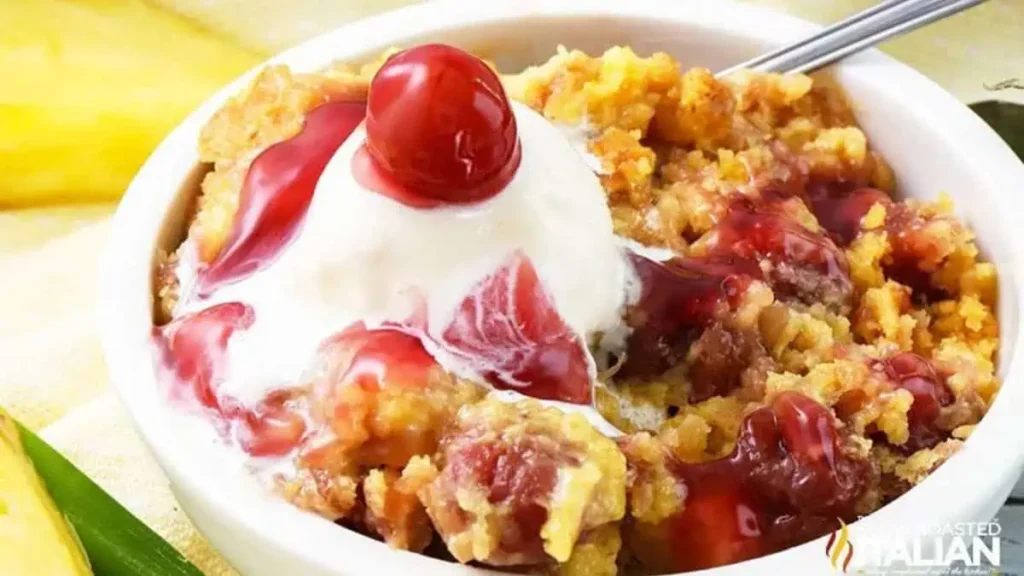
x: 34, y: 537
x: 90, y: 88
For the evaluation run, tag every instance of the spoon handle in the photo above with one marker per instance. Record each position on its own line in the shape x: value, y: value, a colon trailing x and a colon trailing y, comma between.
x: 862, y: 30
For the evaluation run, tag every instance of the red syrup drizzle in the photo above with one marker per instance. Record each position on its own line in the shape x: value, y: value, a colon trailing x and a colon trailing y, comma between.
x: 277, y: 192
x: 786, y: 482
x: 509, y: 328
x: 275, y: 196
x: 193, y: 352
x: 439, y: 130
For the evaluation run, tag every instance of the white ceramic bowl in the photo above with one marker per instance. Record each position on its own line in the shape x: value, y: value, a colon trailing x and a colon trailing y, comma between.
x: 934, y: 143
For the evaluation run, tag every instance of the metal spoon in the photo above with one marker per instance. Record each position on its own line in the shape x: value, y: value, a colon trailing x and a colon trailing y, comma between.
x: 857, y: 32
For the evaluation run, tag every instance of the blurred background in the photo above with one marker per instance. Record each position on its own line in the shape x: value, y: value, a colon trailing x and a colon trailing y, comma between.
x: 91, y: 86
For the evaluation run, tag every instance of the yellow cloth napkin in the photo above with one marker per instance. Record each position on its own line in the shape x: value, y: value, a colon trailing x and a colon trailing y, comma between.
x: 49, y: 351
x: 51, y: 371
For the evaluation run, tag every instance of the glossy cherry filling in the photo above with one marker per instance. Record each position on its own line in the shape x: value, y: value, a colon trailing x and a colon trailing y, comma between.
x: 840, y: 207
x: 915, y: 253
x: 439, y: 130
x: 375, y: 356
x: 679, y: 298
x: 193, y: 353
x: 518, y: 476
x: 276, y: 194
x: 804, y: 265
x: 928, y: 387
x: 787, y: 481
x: 508, y: 328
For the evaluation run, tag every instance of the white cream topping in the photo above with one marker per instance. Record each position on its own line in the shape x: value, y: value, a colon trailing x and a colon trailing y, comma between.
x: 361, y: 256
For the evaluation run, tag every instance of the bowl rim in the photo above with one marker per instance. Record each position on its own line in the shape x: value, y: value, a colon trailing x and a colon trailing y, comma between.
x: 125, y: 298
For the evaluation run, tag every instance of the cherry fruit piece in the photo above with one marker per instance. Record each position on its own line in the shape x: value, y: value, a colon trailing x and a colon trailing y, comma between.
x: 804, y: 265
x: 717, y: 529
x: 840, y: 207
x: 679, y: 298
x: 917, y: 376
x: 819, y: 478
x: 786, y: 482
x: 509, y: 328
x: 440, y: 127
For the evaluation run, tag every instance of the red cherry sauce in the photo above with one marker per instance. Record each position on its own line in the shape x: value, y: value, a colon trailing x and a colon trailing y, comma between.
x: 915, y: 254
x: 372, y: 360
x: 193, y: 352
x: 274, y: 427
x: 439, y: 130
x: 194, y: 349
x: 277, y: 191
x: 679, y: 298
x: 508, y: 327
x: 804, y: 265
x: 840, y: 207
x: 919, y: 377
x: 367, y: 362
x: 786, y: 482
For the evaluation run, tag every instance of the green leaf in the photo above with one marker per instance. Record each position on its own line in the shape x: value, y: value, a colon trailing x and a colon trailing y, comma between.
x: 1007, y: 119
x: 116, y: 542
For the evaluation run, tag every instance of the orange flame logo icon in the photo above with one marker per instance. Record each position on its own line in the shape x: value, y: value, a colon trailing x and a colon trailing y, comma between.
x: 837, y: 543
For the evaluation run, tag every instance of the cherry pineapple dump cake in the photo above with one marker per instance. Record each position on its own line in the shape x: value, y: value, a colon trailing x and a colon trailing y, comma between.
x: 717, y: 268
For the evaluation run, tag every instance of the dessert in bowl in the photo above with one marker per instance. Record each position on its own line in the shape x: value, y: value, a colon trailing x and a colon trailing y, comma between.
x: 603, y: 314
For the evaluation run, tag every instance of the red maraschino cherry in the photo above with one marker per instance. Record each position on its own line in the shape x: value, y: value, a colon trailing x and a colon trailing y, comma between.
x: 439, y: 129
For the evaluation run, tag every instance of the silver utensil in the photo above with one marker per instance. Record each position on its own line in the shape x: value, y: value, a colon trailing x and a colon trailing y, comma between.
x: 862, y: 30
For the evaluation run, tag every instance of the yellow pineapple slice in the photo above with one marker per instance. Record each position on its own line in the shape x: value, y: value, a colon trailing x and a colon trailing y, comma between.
x: 90, y: 87
x: 34, y: 537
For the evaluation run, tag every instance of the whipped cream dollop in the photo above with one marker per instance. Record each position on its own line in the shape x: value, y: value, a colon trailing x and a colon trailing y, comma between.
x: 361, y: 256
